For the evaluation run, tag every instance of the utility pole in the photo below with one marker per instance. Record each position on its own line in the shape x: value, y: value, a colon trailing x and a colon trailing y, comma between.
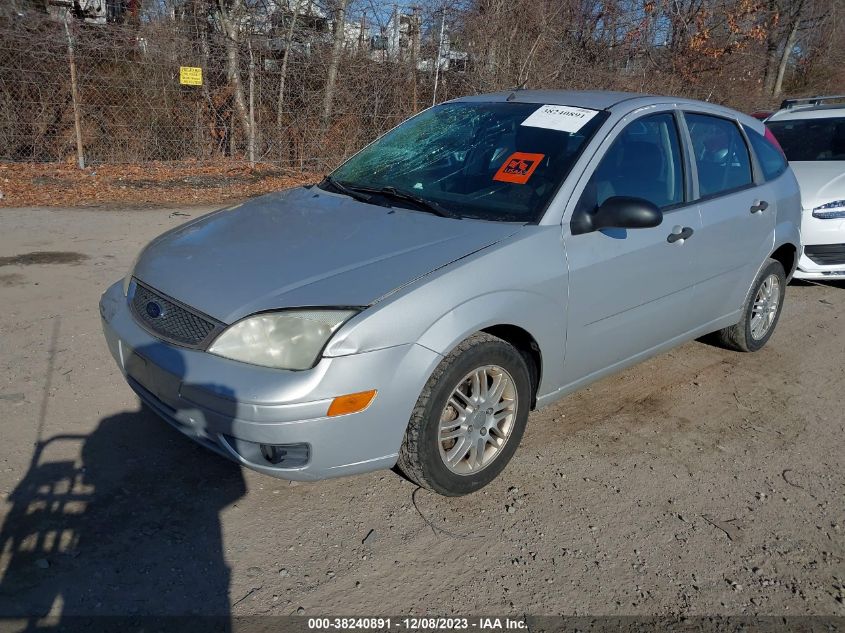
x: 439, y: 55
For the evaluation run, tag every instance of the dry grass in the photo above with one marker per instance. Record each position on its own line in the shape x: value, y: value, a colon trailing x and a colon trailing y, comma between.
x: 154, y: 184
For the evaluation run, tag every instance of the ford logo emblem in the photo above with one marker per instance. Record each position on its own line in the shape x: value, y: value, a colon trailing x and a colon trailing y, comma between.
x: 154, y: 310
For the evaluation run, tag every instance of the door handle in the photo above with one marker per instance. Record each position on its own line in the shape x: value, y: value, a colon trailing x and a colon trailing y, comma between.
x: 680, y: 234
x: 759, y: 206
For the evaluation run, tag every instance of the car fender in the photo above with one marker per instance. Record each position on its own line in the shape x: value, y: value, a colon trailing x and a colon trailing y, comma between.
x: 787, y: 229
x: 483, y: 290
x: 785, y: 233
x: 534, y: 313
x: 788, y: 220
x: 788, y: 233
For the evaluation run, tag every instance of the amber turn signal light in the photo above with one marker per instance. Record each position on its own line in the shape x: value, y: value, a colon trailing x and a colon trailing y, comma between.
x: 351, y: 403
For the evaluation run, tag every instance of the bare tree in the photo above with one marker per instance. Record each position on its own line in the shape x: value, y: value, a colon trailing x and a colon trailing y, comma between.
x: 787, y: 50
x: 285, y: 59
x: 338, y: 38
x: 325, y: 66
x: 231, y: 18
x: 784, y: 19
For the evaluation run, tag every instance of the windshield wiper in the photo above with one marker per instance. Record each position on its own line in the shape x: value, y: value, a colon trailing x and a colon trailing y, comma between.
x: 346, y: 191
x: 425, y: 205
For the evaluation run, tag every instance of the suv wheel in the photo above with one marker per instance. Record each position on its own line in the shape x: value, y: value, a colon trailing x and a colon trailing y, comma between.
x: 760, y: 313
x: 469, y: 418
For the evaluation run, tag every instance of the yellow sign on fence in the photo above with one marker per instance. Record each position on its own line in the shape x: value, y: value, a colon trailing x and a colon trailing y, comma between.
x: 190, y: 76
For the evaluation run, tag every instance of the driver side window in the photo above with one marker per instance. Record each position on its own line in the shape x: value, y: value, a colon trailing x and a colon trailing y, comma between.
x: 644, y: 161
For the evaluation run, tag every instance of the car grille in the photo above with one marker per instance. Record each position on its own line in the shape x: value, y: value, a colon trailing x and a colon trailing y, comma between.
x: 170, y: 320
x: 826, y: 254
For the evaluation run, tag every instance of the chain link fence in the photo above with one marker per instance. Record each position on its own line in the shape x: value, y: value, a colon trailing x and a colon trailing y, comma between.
x: 118, y: 86
x: 300, y: 85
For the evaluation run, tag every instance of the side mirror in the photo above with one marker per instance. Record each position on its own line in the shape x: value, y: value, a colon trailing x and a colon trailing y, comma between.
x: 620, y: 212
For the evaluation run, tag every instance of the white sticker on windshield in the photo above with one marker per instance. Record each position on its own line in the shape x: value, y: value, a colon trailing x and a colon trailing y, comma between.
x: 564, y: 118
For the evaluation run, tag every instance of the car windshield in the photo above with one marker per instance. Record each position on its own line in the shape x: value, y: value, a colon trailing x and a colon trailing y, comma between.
x: 493, y: 161
x: 811, y: 139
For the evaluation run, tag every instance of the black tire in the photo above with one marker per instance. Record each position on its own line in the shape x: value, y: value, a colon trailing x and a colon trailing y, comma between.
x: 419, y: 457
x: 739, y: 337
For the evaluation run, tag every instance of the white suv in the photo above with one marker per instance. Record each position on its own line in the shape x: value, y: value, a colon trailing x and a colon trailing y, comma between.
x: 812, y: 134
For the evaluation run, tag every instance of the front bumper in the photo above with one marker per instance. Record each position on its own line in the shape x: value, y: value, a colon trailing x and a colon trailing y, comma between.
x: 808, y: 269
x: 816, y: 232
x: 233, y: 408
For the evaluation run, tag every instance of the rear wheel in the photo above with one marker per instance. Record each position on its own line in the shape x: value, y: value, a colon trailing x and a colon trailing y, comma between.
x: 760, y: 313
x: 469, y: 418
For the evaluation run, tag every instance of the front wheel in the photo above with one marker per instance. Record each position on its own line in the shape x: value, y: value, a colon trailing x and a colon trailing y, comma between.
x: 469, y: 418
x: 760, y: 313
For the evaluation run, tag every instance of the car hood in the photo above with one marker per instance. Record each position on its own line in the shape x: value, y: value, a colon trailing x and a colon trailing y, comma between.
x: 820, y: 181
x: 304, y: 247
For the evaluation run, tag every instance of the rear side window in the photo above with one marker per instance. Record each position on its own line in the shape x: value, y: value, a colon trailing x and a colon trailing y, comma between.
x: 772, y: 160
x: 720, y: 154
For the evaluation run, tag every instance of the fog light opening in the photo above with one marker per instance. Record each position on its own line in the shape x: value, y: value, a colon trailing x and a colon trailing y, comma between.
x: 351, y: 403
x: 273, y: 454
x: 285, y: 455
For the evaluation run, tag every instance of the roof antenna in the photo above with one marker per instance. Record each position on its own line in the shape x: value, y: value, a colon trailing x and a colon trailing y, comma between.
x: 521, y: 86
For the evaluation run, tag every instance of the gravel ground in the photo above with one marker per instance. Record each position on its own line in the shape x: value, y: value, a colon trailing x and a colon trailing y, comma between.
x: 700, y: 482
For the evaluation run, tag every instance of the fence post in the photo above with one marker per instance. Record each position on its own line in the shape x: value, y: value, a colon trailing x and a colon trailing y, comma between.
x: 251, y: 139
x: 74, y: 95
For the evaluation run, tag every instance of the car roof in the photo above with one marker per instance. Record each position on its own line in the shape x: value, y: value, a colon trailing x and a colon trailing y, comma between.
x: 606, y: 100
x: 825, y: 111
x: 594, y: 99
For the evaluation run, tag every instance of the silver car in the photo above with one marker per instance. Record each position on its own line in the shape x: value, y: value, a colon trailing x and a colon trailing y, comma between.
x: 486, y: 257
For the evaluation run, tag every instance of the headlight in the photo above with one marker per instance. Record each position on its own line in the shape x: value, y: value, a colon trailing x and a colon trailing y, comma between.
x: 128, y: 279
x: 831, y: 210
x: 284, y: 340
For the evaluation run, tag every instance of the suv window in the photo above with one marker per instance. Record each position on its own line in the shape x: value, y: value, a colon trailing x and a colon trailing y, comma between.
x: 720, y: 154
x: 811, y: 139
x: 772, y: 160
x: 643, y: 162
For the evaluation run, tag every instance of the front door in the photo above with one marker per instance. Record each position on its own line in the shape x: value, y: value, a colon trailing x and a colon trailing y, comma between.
x: 632, y: 290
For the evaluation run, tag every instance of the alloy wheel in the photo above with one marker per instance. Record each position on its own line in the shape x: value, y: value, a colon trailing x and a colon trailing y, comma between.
x: 477, y: 420
x: 765, y: 308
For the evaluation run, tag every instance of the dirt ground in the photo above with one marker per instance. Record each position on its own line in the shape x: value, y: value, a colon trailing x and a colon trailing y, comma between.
x: 700, y: 482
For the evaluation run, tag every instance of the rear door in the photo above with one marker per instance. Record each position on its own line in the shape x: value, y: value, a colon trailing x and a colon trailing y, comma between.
x: 631, y: 290
x: 738, y: 212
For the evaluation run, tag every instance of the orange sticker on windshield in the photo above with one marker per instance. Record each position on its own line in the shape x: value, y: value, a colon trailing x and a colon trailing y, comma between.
x: 518, y: 167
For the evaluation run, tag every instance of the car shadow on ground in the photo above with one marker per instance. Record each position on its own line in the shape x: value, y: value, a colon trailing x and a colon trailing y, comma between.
x: 833, y: 283
x: 131, y: 527
x: 712, y: 339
